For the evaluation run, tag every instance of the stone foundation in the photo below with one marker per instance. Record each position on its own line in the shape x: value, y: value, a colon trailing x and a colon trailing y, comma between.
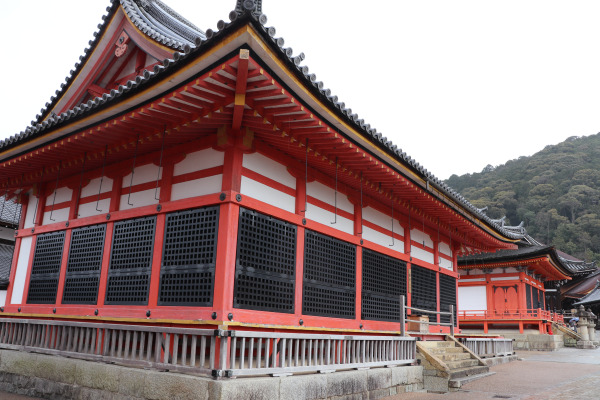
x: 53, y: 377
x: 536, y: 342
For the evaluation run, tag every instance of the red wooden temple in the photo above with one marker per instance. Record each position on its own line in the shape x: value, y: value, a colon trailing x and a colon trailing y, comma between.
x: 209, y: 179
x: 507, y: 289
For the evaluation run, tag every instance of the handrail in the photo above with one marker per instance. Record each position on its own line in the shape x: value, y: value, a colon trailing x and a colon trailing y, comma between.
x: 403, y: 309
x: 217, y: 353
x: 536, y: 313
x: 488, y: 347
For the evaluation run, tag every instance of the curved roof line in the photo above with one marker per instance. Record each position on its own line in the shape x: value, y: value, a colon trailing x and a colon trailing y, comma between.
x: 239, y: 17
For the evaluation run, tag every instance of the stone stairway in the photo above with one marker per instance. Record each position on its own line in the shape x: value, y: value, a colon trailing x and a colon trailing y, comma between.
x: 448, y: 365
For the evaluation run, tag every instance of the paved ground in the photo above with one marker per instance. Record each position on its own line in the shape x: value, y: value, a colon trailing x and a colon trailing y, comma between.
x: 10, y: 396
x: 565, y: 374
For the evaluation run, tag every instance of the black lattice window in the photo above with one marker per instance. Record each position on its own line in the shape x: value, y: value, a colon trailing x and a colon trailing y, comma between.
x: 45, y: 270
x: 131, y: 262
x: 189, y: 257
x: 528, y: 297
x: 383, y: 282
x: 447, y: 297
x: 424, y: 291
x: 539, y: 299
x: 329, y: 277
x: 265, y: 263
x: 84, y: 265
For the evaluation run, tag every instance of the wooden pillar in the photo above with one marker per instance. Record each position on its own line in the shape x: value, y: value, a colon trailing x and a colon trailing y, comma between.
x: 298, y: 295
x: 358, y: 280
x: 63, y: 267
x: 105, y: 264
x: 159, y: 237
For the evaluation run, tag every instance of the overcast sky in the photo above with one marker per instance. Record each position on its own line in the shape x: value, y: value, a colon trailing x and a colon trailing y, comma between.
x: 456, y: 84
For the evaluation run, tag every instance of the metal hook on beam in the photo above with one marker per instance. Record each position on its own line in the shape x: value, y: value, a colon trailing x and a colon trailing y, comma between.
x: 55, y: 190
x: 137, y: 141
x: 102, y: 178
x: 162, y: 149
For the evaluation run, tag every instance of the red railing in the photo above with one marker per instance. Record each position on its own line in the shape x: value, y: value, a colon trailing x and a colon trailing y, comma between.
x: 536, y: 314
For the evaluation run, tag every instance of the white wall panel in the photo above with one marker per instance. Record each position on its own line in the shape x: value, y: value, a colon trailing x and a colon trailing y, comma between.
x: 197, y: 187
x: 21, y: 273
x: 89, y: 209
x: 447, y: 264
x: 381, y: 239
x: 142, y: 174
x: 63, y: 194
x: 382, y: 220
x: 421, y: 254
x: 472, y: 298
x: 271, y: 169
x: 444, y: 248
x: 3, y: 298
x: 421, y: 238
x: 268, y: 195
x: 57, y: 216
x: 7, y: 234
x: 325, y: 217
x: 91, y: 189
x: 139, y: 199
x: 199, y: 160
x: 327, y: 195
x: 30, y: 211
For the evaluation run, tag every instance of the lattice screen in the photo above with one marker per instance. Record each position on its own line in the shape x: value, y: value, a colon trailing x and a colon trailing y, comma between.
x: 447, y: 297
x: 45, y: 270
x: 424, y: 290
x: 84, y: 265
x: 131, y: 262
x: 329, y: 277
x: 383, y: 281
x: 189, y: 257
x: 265, y: 263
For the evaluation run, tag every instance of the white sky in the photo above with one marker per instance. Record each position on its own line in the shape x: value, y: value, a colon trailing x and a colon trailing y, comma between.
x: 456, y: 84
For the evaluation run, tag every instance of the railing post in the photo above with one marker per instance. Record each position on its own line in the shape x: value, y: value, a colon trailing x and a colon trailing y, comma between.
x: 451, y: 320
x: 402, y: 315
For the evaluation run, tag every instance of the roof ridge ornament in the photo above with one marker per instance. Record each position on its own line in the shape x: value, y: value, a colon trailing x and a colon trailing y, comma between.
x: 253, y: 7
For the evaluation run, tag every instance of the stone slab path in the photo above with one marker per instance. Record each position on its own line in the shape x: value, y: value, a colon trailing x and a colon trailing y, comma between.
x: 569, y: 374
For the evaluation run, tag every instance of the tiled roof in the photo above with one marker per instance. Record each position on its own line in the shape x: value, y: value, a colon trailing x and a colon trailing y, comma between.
x: 505, y: 255
x: 6, y: 253
x: 247, y: 11
x: 10, y: 212
x: 591, y: 298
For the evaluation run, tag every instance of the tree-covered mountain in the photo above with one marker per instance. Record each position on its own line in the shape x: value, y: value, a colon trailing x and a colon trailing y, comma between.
x: 556, y: 192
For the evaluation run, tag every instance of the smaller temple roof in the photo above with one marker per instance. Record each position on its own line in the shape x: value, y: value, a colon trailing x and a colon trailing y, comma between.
x: 592, y: 297
x: 10, y: 212
x: 576, y: 266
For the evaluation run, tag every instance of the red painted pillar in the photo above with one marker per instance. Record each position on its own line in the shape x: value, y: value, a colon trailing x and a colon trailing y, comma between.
x: 299, y: 272
x: 437, y: 295
x: 156, y: 260
x: 407, y: 250
x: 105, y: 264
x: 63, y: 267
x: 358, y: 291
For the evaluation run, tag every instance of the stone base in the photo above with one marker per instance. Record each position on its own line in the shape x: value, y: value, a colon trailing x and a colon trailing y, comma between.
x: 44, y: 376
x: 586, y: 344
x: 536, y: 342
x: 499, y: 360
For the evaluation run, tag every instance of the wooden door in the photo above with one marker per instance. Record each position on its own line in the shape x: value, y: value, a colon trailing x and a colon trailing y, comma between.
x: 506, y: 299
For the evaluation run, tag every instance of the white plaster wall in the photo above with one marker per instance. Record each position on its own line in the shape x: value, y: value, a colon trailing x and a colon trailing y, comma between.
x: 505, y: 278
x: 30, y: 211
x: 199, y: 160
x: 89, y: 209
x: 3, y: 298
x: 446, y: 264
x: 444, y: 248
x: 382, y: 239
x: 382, y: 220
x: 91, y: 189
x: 139, y: 199
x: 271, y: 169
x: 421, y: 238
x: 421, y: 254
x: 267, y: 194
x: 63, y: 194
x: 142, y: 174
x: 325, y: 217
x: 327, y: 195
x: 472, y: 298
x: 57, y: 216
x: 7, y: 234
x: 21, y: 273
x: 197, y: 187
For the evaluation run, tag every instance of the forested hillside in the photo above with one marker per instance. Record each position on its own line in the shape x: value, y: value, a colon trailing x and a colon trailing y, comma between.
x: 556, y: 192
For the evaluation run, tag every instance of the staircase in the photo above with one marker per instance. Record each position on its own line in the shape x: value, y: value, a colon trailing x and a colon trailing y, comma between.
x: 448, y: 365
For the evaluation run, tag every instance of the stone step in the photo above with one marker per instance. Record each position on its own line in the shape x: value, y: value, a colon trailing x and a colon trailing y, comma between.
x: 457, y: 383
x: 453, y: 365
x: 454, y: 356
x: 446, y: 350
x: 437, y: 344
x: 469, y: 371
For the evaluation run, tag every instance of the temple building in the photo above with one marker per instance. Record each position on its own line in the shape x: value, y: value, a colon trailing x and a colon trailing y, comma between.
x: 517, y: 288
x: 208, y: 178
